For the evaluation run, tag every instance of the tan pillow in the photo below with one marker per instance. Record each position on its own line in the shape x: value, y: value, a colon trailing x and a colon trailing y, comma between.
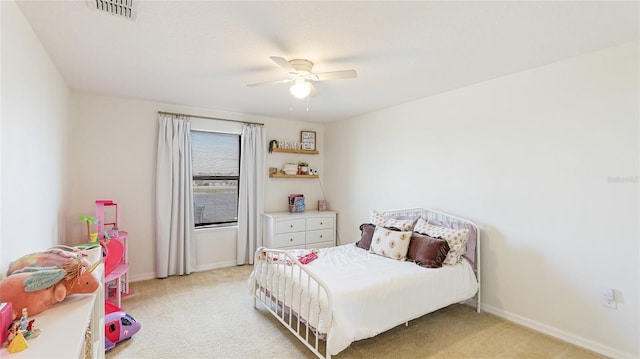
x: 401, y: 224
x: 379, y: 219
x: 390, y: 243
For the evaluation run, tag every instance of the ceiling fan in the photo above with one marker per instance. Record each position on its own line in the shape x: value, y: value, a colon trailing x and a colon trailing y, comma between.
x: 300, y: 74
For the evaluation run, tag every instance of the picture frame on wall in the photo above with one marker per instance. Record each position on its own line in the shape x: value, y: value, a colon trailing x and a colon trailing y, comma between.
x: 308, y: 140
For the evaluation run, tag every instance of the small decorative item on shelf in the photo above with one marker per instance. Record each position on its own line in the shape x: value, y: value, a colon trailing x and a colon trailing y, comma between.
x: 296, y: 203
x: 6, y: 317
x: 308, y: 139
x: 18, y: 342
x: 289, y: 145
x: 304, y: 168
x: 290, y: 169
x: 272, y: 144
x: 322, y: 205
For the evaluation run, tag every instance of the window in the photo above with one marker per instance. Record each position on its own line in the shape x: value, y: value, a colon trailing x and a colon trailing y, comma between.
x: 216, y: 175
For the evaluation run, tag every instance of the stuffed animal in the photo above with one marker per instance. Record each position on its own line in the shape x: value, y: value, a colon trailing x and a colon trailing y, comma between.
x: 58, y: 257
x: 38, y: 288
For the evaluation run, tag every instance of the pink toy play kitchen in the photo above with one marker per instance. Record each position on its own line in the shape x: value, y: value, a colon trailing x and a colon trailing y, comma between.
x: 119, y: 325
x: 116, y: 261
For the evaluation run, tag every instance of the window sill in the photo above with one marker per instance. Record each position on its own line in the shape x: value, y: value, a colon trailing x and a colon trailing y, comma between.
x: 217, y: 227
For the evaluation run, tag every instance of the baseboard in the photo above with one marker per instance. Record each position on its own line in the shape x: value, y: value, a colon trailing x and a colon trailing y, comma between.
x: 557, y: 333
x: 217, y: 265
x: 141, y: 277
x: 201, y: 268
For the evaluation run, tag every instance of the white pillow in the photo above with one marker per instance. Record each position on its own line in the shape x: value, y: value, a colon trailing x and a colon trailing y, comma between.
x: 379, y: 219
x: 456, y: 238
x: 389, y: 243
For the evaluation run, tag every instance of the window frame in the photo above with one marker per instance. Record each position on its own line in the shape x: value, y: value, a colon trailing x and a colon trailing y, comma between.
x: 218, y: 178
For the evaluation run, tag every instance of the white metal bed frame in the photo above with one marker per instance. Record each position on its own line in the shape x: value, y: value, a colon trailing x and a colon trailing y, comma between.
x: 282, y: 307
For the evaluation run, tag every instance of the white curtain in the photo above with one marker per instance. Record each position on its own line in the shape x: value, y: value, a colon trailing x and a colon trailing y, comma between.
x: 251, y: 192
x: 175, y: 253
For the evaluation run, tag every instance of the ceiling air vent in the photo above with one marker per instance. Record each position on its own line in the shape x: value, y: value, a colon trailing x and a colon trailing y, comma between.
x: 124, y: 8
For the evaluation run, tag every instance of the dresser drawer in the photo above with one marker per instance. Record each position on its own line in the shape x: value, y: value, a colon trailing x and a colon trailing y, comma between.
x: 294, y: 239
x: 319, y: 223
x: 290, y: 225
x: 322, y: 235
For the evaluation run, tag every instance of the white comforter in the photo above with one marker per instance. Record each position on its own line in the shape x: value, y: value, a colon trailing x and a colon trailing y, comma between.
x: 372, y: 294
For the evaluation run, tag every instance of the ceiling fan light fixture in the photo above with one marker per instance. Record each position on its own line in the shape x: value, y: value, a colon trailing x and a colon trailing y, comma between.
x: 301, y: 76
x: 300, y: 89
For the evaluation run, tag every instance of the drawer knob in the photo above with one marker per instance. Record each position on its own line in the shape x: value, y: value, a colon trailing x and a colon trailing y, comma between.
x: 290, y: 239
x: 291, y: 225
x: 321, y: 223
x: 321, y: 236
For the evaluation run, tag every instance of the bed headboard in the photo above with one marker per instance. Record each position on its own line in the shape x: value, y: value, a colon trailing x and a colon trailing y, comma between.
x: 437, y: 217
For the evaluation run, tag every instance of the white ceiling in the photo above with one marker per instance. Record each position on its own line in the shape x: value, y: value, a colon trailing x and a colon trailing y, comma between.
x: 204, y: 53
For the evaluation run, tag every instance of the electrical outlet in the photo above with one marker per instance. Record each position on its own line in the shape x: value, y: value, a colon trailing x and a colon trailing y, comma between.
x: 609, y: 298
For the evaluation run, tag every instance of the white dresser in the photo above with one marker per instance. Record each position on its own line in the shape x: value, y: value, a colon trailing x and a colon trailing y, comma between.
x: 309, y: 229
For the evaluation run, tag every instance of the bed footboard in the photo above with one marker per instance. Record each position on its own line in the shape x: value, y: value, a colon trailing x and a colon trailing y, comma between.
x: 295, y: 296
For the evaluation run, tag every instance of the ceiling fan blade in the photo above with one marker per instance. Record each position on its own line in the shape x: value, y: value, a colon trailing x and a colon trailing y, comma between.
x: 282, y: 62
x: 270, y: 83
x: 314, y: 90
x: 335, y: 75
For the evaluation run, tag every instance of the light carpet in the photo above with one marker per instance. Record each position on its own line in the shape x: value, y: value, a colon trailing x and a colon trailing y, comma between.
x: 211, y: 315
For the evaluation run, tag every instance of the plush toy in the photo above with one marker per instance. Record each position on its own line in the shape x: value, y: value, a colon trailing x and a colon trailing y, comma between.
x: 38, y: 288
x: 55, y: 257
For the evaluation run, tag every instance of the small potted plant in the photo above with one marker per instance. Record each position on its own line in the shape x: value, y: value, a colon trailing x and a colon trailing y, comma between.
x: 272, y: 144
x: 304, y: 167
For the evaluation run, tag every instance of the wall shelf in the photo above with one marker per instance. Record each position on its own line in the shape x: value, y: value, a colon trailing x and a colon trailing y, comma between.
x: 292, y: 150
x: 281, y: 175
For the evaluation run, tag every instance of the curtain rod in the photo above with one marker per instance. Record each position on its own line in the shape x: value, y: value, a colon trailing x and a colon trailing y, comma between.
x: 209, y: 118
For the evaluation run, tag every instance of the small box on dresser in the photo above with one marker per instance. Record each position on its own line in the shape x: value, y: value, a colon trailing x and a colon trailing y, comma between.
x: 6, y: 317
x: 309, y: 229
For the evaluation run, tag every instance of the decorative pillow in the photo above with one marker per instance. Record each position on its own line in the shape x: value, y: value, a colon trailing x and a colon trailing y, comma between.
x: 470, y: 253
x: 390, y: 243
x: 403, y: 224
x: 456, y: 238
x: 367, y: 230
x: 377, y: 219
x: 427, y: 251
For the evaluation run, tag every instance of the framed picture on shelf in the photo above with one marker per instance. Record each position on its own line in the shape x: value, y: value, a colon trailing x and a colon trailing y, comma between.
x: 308, y: 140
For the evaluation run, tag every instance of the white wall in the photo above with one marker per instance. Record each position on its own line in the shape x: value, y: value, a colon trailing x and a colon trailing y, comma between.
x: 530, y: 157
x: 113, y: 157
x: 34, y: 142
